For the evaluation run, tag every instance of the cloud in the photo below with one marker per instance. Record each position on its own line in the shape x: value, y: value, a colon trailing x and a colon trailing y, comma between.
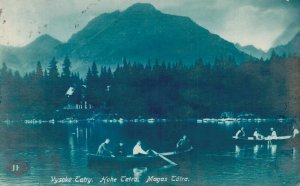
x: 256, y: 22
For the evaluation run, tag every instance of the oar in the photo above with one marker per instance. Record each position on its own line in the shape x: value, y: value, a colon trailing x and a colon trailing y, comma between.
x: 165, y: 158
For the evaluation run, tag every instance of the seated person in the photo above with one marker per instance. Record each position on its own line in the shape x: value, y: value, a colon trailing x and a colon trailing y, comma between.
x: 273, y: 134
x: 103, y: 149
x: 183, y: 144
x: 295, y: 132
x: 120, y: 150
x: 138, y: 150
x: 240, y: 133
x: 257, y: 135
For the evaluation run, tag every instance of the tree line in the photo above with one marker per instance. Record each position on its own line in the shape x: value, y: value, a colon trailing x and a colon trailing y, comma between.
x: 156, y: 89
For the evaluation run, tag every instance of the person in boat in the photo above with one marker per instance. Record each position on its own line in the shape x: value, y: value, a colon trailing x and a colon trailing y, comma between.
x: 183, y: 144
x: 257, y: 135
x: 295, y: 132
x: 240, y: 133
x: 103, y: 149
x: 138, y: 150
x: 120, y: 150
x: 273, y: 134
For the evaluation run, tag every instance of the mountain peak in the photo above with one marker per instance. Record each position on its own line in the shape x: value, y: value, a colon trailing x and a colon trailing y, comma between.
x: 141, y: 7
x: 45, y: 37
x: 44, y: 40
x: 139, y: 33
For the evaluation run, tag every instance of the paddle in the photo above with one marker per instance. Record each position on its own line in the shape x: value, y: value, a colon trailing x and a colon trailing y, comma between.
x: 165, y: 158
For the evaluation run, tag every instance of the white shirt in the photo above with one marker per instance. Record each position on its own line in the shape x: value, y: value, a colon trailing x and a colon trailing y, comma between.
x: 295, y: 132
x: 137, y: 149
x: 274, y: 134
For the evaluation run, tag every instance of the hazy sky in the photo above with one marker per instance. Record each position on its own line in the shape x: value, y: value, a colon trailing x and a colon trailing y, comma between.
x: 257, y: 22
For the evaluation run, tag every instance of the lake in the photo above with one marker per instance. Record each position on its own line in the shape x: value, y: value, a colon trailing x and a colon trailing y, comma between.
x: 47, y: 153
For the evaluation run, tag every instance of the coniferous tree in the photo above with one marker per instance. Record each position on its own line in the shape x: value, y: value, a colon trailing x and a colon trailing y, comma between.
x: 66, y: 72
x: 45, y: 74
x: 53, y: 71
x: 3, y: 69
x: 199, y: 90
x: 53, y: 89
x: 39, y: 71
x: 94, y: 70
x: 89, y: 87
x: 66, y: 79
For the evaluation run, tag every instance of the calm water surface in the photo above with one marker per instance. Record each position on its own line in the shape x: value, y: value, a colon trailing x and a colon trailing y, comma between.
x: 60, y: 150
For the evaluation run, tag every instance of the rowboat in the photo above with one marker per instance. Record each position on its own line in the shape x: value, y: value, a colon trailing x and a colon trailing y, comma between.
x: 269, y: 139
x: 136, y: 161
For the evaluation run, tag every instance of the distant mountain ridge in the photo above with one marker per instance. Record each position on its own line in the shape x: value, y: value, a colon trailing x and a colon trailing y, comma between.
x: 20, y: 58
x: 291, y: 48
x: 139, y: 33
x: 252, y: 51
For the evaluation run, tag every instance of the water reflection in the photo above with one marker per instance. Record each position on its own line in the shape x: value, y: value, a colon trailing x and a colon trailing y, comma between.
x: 86, y: 139
x: 237, y: 151
x: 77, y: 133
x: 71, y: 146
x: 214, y: 162
x: 255, y: 149
x: 273, y: 149
x: 138, y: 173
x: 294, y: 153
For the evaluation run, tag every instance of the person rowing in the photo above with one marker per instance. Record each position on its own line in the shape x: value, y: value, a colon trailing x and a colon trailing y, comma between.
x: 183, y: 144
x: 257, y: 135
x: 103, y: 149
x: 295, y: 132
x: 240, y: 133
x: 138, y: 150
x: 273, y: 134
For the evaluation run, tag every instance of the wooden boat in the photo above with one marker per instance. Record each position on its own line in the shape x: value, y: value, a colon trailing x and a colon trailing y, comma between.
x: 136, y: 161
x: 265, y: 140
